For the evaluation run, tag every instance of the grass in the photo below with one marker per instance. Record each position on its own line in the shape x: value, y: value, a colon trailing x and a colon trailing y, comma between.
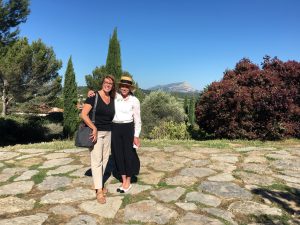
x: 39, y: 177
x: 129, y: 199
x: 126, y: 200
x: 56, y: 144
x: 20, y: 195
x: 165, y: 185
x: 37, y: 205
x: 62, y: 189
x: 221, y: 143
x: 218, y: 143
x: 278, y: 186
x: 270, y: 158
x: 134, y: 222
x: 34, y: 167
x: 11, y: 179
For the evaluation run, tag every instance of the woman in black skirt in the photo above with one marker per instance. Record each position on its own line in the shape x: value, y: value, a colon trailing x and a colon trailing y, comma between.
x: 126, y: 129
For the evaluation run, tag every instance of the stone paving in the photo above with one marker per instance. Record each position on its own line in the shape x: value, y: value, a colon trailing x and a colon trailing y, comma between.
x: 177, y: 185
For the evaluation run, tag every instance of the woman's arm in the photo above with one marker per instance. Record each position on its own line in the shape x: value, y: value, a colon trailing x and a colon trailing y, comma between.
x: 85, y: 117
x: 137, y: 122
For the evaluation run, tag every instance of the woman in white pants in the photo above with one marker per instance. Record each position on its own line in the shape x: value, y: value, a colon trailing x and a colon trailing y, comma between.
x: 101, y: 131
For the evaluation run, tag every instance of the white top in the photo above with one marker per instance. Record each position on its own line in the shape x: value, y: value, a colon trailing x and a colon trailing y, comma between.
x: 127, y: 110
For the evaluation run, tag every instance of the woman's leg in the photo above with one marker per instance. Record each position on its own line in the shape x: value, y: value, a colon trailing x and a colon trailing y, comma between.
x: 97, y: 162
x: 124, y: 181
x: 97, y: 167
x: 128, y: 182
x: 106, y: 151
x: 128, y: 153
x: 117, y: 148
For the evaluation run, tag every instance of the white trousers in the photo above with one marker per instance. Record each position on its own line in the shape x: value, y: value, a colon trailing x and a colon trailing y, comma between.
x: 99, y: 157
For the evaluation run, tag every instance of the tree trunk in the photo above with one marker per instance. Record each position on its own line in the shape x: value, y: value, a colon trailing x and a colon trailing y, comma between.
x: 4, y: 98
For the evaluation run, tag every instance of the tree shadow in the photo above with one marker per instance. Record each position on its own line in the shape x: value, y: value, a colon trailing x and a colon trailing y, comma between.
x: 27, y: 129
x: 287, y: 198
x: 274, y: 220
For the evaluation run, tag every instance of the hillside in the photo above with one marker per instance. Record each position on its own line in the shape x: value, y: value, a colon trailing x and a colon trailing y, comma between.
x: 182, y: 87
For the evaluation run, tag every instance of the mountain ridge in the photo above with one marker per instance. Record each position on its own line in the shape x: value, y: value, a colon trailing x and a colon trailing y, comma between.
x: 183, y: 87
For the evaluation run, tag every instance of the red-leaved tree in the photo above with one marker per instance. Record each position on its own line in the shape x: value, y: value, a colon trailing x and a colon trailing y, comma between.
x: 252, y: 102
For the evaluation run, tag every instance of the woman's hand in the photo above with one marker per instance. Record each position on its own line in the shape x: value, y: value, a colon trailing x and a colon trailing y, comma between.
x: 94, y: 135
x: 136, y: 142
x: 91, y: 93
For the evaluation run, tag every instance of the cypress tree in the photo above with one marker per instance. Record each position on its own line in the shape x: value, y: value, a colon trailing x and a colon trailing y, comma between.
x: 70, y: 102
x: 192, y: 111
x: 113, y: 60
x: 185, y: 105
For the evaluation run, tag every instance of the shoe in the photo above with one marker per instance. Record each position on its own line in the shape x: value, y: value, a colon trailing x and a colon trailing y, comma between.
x: 100, y: 197
x: 119, y: 189
x: 123, y: 190
x: 103, y: 189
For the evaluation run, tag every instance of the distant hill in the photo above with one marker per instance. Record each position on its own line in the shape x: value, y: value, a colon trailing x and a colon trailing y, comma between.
x: 181, y: 87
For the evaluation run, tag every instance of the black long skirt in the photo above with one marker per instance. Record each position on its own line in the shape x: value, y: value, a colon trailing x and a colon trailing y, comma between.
x: 125, y: 156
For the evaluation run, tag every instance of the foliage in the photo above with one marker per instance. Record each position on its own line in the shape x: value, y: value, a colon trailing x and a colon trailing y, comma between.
x: 197, y: 133
x: 12, y: 13
x: 113, y: 61
x: 30, y: 74
x: 253, y: 103
x: 71, y: 112
x: 139, y: 93
x: 191, y: 111
x: 55, y: 117
x: 185, y: 105
x: 158, y: 107
x: 26, y: 129
x: 93, y: 81
x: 82, y: 90
x: 170, y: 130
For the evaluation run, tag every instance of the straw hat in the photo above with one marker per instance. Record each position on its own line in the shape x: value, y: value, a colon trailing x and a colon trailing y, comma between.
x: 126, y: 80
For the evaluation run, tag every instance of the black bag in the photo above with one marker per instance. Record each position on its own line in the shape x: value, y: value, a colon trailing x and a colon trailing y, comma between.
x: 82, y: 138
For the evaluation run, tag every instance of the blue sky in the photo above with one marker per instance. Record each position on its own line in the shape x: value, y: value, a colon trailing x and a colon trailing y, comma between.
x: 167, y: 41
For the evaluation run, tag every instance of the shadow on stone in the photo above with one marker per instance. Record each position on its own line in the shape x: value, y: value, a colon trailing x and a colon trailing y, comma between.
x: 287, y: 198
x: 88, y: 173
x: 111, y: 170
x: 272, y: 220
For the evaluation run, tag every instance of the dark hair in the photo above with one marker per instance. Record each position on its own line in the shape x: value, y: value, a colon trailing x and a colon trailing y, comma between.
x: 112, y: 93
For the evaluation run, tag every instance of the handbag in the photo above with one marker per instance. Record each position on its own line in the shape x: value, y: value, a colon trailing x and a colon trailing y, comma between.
x: 82, y: 138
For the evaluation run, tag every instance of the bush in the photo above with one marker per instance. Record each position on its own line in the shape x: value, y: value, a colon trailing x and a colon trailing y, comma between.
x: 253, y: 103
x: 170, y: 130
x: 160, y: 107
x: 55, y: 117
x: 197, y: 133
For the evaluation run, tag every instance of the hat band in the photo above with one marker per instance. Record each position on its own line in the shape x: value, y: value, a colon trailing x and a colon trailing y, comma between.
x: 126, y: 82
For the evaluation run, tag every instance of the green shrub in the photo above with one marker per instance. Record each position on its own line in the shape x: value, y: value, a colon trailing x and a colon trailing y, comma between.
x: 170, y: 130
x: 160, y: 107
x: 55, y: 117
x: 54, y: 131
x: 197, y: 133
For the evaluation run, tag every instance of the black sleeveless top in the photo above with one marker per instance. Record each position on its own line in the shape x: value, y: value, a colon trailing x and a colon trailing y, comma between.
x: 104, y: 113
